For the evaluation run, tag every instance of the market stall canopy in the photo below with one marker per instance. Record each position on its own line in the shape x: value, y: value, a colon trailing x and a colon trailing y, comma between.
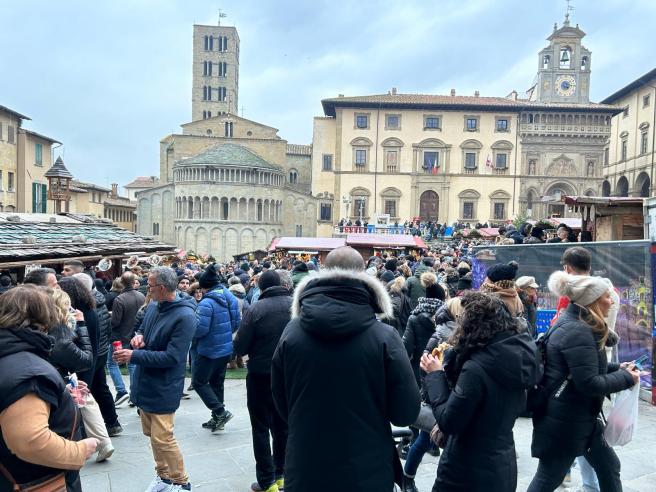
x: 385, y: 241
x: 608, y: 201
x: 308, y: 243
x: 48, y: 238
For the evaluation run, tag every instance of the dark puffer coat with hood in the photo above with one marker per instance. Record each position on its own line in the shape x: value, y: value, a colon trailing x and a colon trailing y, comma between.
x: 566, y: 424
x: 414, y: 287
x: 479, y: 412
x: 339, y: 377
x: 104, y: 323
x: 421, y: 326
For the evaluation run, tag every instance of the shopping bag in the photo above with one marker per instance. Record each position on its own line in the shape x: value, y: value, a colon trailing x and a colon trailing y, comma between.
x: 622, y: 422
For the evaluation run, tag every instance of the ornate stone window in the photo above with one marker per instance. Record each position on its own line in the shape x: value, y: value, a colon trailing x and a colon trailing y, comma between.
x: 624, y: 145
x: 472, y: 123
x: 469, y: 204
x: 390, y: 198
x: 644, y: 138
x: 392, y: 122
x: 431, y: 156
x: 360, y: 197
x: 499, y: 205
x: 432, y: 122
x: 501, y: 151
x: 361, y: 121
x: 392, y: 155
x: 470, y: 155
x: 361, y: 148
x: 502, y: 123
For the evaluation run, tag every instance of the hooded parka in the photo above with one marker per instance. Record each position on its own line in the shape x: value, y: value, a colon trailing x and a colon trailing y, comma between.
x: 339, y: 377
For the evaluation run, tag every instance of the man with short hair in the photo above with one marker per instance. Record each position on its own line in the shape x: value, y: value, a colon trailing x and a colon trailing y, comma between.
x: 258, y: 336
x: 339, y: 378
x: 124, y: 314
x: 183, y: 283
x: 159, y: 352
x: 43, y: 277
x: 71, y: 267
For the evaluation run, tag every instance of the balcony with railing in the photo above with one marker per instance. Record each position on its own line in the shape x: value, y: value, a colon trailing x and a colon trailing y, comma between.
x: 500, y: 170
x: 560, y: 129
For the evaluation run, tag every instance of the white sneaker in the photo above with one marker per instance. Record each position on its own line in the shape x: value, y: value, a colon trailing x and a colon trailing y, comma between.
x: 104, y: 452
x: 159, y: 485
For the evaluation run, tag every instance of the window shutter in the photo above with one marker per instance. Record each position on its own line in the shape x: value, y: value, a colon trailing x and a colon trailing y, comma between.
x: 44, y: 198
x: 35, y: 192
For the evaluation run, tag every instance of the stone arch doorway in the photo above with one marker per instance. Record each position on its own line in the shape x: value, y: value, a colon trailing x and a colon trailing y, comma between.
x: 429, y: 205
x: 622, y: 188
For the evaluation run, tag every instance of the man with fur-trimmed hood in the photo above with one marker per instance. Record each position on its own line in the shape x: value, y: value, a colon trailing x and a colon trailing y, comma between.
x: 339, y: 378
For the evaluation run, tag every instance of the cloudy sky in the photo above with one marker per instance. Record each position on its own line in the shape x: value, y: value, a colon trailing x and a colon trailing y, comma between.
x: 111, y: 78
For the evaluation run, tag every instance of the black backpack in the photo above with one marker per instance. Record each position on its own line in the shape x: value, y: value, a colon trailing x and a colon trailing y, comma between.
x: 537, y: 396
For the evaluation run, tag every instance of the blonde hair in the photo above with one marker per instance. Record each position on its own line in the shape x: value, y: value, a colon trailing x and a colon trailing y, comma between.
x: 454, y: 307
x: 593, y: 316
x: 62, y: 307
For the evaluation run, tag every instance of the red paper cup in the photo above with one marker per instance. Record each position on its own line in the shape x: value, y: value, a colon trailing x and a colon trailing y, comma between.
x: 117, y: 346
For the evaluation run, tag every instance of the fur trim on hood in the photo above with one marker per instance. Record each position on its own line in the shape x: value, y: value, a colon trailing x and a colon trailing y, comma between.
x: 237, y: 288
x: 373, y: 285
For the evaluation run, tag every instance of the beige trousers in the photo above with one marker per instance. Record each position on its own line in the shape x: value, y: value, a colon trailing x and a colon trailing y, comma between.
x: 93, y: 422
x: 168, y: 459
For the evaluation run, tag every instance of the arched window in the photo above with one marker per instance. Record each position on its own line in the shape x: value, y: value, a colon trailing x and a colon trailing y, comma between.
x: 584, y: 63
x: 545, y: 61
x: 293, y: 176
x: 565, y: 57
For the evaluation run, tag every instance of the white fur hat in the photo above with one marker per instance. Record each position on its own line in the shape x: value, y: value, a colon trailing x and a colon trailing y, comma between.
x: 579, y: 289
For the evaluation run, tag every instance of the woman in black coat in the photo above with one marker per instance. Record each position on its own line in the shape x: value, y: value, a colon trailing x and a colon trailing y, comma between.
x: 493, y: 363
x: 421, y: 323
x: 401, y: 307
x: 577, y: 377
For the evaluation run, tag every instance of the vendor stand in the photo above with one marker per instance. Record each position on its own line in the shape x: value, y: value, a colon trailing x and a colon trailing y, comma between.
x: 30, y: 241
x: 609, y: 218
x: 306, y: 246
x: 371, y: 244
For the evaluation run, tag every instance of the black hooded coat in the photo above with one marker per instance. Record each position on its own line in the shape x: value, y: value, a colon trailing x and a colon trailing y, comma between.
x: 479, y: 413
x: 339, y: 378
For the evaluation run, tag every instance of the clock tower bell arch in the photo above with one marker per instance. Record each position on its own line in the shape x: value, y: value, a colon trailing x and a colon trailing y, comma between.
x: 564, y: 67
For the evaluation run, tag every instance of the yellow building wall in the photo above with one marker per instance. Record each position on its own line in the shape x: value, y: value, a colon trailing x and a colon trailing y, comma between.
x: 8, y: 161
x: 29, y: 172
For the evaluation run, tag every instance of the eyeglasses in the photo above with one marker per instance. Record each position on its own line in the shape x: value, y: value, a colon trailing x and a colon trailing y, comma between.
x: 153, y: 286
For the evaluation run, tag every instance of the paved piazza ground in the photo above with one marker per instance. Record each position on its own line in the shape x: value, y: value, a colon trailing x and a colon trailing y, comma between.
x: 224, y: 461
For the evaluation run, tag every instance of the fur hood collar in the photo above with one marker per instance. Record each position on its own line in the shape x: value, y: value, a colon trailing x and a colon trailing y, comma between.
x: 383, y: 305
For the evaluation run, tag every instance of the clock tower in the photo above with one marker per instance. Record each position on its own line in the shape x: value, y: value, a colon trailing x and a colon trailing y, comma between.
x: 564, y: 67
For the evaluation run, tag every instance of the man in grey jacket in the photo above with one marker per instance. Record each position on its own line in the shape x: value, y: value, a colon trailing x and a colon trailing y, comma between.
x: 415, y: 289
x: 124, y: 313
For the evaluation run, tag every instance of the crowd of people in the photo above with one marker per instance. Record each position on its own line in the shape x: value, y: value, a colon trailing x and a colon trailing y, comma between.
x: 336, y: 354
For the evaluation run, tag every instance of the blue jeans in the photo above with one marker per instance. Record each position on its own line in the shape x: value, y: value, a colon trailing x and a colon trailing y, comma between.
x: 115, y: 372
x: 588, y: 475
x: 416, y: 453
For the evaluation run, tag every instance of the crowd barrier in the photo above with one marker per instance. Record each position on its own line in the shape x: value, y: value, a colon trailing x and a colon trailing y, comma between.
x: 631, y: 267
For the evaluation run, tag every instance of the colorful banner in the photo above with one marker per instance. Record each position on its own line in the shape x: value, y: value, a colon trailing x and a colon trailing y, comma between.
x: 631, y: 267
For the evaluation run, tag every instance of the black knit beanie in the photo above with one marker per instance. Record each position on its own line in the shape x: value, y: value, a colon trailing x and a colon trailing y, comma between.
x: 502, y: 271
x: 209, y: 278
x: 391, y: 265
x: 268, y: 279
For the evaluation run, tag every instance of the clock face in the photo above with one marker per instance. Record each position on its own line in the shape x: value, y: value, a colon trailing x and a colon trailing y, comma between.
x: 565, y: 85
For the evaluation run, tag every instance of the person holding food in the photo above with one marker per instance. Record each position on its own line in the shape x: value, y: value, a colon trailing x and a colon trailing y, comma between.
x: 477, y: 391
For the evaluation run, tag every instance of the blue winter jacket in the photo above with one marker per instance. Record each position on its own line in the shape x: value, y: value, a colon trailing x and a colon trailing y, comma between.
x: 218, y: 318
x: 167, y: 328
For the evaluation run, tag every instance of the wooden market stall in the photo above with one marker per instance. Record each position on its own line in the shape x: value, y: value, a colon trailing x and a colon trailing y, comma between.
x: 49, y: 240
x: 370, y: 244
x: 609, y: 218
x: 306, y: 246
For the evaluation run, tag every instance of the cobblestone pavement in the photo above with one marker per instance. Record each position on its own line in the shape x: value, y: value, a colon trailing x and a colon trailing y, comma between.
x: 223, y: 461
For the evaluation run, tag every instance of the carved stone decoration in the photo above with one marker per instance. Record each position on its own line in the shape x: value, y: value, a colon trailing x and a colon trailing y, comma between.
x: 562, y: 166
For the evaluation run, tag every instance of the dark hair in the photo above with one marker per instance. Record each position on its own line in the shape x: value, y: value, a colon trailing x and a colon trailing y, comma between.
x: 99, y: 285
x: 428, y: 261
x: 127, y: 279
x: 81, y: 298
x: 483, y: 317
x: 75, y: 263
x: 577, y: 258
x: 38, y: 276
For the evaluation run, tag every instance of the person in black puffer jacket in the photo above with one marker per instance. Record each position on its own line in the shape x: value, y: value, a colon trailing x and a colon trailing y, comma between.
x: 478, y: 395
x: 577, y: 371
x: 421, y: 323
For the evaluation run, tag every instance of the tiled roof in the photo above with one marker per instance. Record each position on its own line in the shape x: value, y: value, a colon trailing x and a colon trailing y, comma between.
x: 30, y: 132
x: 296, y: 149
x: 58, y: 170
x: 228, y: 154
x: 89, y: 186
x: 120, y: 202
x: 5, y: 109
x: 143, y: 182
x: 61, y: 239
x: 432, y: 101
x: 382, y: 240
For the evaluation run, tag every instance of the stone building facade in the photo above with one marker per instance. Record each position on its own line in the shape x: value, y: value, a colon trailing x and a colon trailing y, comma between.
x: 630, y: 155
x: 215, y: 83
x: 464, y: 158
x: 228, y: 192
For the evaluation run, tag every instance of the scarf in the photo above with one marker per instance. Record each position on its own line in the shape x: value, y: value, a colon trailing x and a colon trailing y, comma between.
x: 505, y: 290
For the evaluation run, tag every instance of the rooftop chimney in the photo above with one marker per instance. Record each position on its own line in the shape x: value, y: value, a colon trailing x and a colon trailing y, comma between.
x: 114, y: 190
x: 453, y: 92
x: 477, y: 94
x: 394, y: 91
